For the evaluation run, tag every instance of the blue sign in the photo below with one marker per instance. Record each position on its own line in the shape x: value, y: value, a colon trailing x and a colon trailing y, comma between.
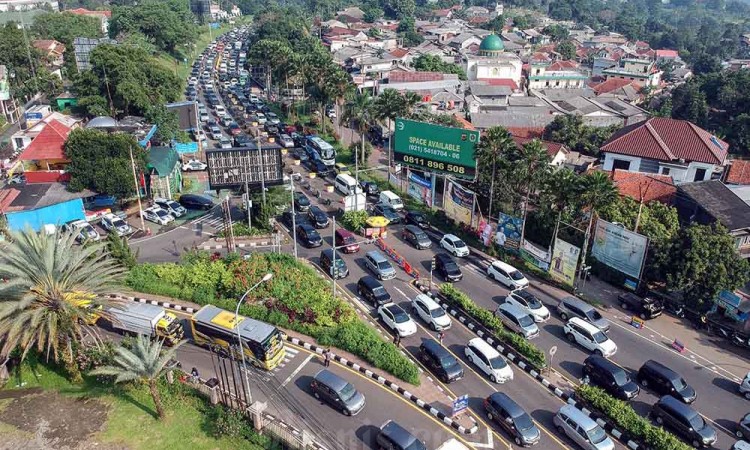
x: 187, y: 147
x: 509, y: 231
x: 460, y: 404
x: 34, y: 115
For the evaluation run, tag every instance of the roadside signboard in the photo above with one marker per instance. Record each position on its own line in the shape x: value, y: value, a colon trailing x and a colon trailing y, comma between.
x: 619, y: 248
x: 564, y: 262
x: 460, y: 404
x: 231, y: 168
x: 435, y: 148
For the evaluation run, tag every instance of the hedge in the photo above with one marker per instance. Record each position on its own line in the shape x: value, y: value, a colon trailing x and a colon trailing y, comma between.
x: 489, y: 320
x: 296, y: 298
x: 623, y: 415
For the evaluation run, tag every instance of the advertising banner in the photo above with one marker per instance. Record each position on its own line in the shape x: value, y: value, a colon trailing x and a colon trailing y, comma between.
x: 4, y: 84
x: 458, y: 202
x: 435, y: 148
x: 509, y: 231
x: 420, y: 189
x: 564, y: 262
x: 618, y: 248
x: 535, y: 255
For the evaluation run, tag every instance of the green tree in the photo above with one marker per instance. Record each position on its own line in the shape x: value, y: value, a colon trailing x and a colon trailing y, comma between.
x: 491, y: 154
x: 52, y: 284
x: 359, y: 114
x: 101, y: 162
x: 433, y: 63
x: 144, y: 363
x: 65, y: 27
x: 689, y: 103
x: 169, y: 23
x: 13, y: 55
x: 597, y: 193
x: 399, y: 9
x: 571, y: 131
x: 389, y: 105
x: 530, y: 165
x: 121, y: 251
x: 566, y: 49
x: 556, y: 32
x: 497, y: 24
x: 739, y: 134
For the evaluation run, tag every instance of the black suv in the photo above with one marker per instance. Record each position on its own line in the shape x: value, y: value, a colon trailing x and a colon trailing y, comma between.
x: 440, y: 361
x: 417, y: 218
x: 194, y: 201
x: 291, y: 220
x: 301, y: 202
x: 370, y: 188
x: 317, y: 217
x: 373, y: 291
x: 502, y: 410
x: 665, y: 381
x: 645, y: 308
x: 684, y: 421
x: 610, y: 377
x: 395, y: 437
x: 308, y: 235
x: 447, y: 268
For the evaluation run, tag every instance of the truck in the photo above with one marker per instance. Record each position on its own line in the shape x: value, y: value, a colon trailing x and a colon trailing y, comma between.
x: 151, y: 320
x: 354, y: 202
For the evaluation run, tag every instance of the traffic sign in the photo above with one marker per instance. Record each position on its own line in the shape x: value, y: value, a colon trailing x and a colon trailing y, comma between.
x: 461, y: 403
x: 553, y: 350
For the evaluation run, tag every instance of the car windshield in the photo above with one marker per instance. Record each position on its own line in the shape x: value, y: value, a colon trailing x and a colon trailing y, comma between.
x: 525, y: 321
x: 523, y: 422
x: 340, y: 263
x: 349, y: 240
x: 498, y: 363
x: 379, y: 291
x: 347, y: 392
x: 593, y: 315
x: 437, y: 312
x: 596, y: 435
x: 697, y: 422
x: 118, y: 223
x: 161, y: 213
x: 679, y: 384
x: 458, y: 243
x: 621, y: 378
x: 447, y: 361
x: 531, y: 299
x: 399, y: 315
x: 516, y: 275
x: 451, y: 267
x: 415, y: 445
x: 173, y: 204
x: 384, y: 265
x: 599, y: 337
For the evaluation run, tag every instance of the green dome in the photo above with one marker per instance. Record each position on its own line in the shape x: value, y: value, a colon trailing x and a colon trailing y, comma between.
x: 492, y: 43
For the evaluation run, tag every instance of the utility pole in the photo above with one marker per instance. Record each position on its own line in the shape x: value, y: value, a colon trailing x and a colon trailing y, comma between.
x: 262, y: 169
x: 333, y: 263
x: 294, y: 218
x: 248, y: 202
x: 137, y: 189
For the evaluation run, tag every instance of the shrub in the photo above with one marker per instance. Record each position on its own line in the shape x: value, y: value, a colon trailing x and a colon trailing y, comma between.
x: 623, y: 415
x: 354, y: 220
x: 489, y: 320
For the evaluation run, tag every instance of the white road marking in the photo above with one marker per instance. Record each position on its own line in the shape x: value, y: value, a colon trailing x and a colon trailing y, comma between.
x: 296, y: 371
x: 489, y: 444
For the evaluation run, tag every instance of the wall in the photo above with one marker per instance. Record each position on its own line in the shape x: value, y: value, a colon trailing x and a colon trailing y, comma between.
x: 635, y: 162
x: 54, y: 214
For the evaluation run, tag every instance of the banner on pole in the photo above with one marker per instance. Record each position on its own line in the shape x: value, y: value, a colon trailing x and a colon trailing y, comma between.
x: 420, y: 189
x: 509, y: 231
x: 458, y: 202
x: 564, y: 262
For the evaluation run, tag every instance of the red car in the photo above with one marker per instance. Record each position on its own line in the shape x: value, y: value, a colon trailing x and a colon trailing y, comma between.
x: 234, y: 129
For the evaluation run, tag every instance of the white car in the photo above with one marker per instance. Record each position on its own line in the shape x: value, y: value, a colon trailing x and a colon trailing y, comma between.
x: 286, y: 141
x: 529, y: 303
x: 204, y: 117
x: 433, y: 314
x: 507, y: 275
x: 114, y: 224
x: 261, y: 118
x: 171, y: 206
x: 224, y: 142
x: 488, y: 360
x: 82, y: 230
x: 157, y: 215
x: 193, y: 164
x: 454, y: 245
x: 219, y: 111
x: 589, y: 337
x: 273, y: 119
x: 397, y: 319
x: 200, y: 136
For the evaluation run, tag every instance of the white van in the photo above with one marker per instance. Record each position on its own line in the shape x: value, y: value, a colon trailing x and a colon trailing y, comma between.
x: 346, y: 184
x: 391, y: 199
x: 488, y: 360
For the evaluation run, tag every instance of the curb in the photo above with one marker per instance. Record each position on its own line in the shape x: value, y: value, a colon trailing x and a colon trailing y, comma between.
x: 319, y: 350
x: 241, y: 245
x: 527, y: 367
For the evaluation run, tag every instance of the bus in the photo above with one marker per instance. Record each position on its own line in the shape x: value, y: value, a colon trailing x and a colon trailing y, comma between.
x: 216, y: 329
x: 315, y: 146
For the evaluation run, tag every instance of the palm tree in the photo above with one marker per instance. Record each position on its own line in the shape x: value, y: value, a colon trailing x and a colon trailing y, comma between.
x: 359, y: 112
x: 532, y: 168
x: 388, y: 106
x: 597, y: 192
x: 145, y: 362
x: 562, y: 190
x: 52, y: 286
x: 411, y: 101
x: 495, y: 143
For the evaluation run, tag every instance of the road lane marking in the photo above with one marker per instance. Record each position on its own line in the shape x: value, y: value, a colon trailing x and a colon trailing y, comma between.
x: 296, y: 371
x: 489, y: 444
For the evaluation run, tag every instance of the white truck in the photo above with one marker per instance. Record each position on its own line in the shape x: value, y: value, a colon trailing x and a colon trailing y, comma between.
x: 151, y: 320
x: 354, y: 202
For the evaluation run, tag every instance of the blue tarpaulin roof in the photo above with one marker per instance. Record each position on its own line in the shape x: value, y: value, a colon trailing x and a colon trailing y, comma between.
x: 149, y: 135
x: 190, y: 147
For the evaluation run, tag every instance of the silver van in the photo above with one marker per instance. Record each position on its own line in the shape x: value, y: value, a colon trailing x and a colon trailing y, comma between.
x: 517, y: 320
x: 379, y: 265
x: 346, y: 184
x: 575, y: 307
x: 582, y: 429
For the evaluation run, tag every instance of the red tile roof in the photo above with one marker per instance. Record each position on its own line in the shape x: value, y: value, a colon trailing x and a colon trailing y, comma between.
x: 500, y: 82
x: 666, y: 139
x: 644, y: 186
x: 478, y: 20
x: 48, y: 144
x: 563, y: 65
x: 441, y: 12
x: 553, y: 148
x: 526, y: 132
x: 667, y: 54
x: 399, y: 52
x: 465, y: 124
x: 739, y: 172
x: 540, y: 56
x: 6, y: 198
x: 340, y: 31
x: 412, y: 77
x: 87, y: 12
x: 641, y: 44
x: 614, y: 84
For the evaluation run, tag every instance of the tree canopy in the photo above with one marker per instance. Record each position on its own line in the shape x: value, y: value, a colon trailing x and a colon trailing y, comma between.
x: 571, y: 131
x: 169, y: 23
x: 65, y: 27
x: 433, y: 63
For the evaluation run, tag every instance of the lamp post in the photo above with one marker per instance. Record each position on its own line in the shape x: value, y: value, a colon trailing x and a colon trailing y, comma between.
x: 265, y: 278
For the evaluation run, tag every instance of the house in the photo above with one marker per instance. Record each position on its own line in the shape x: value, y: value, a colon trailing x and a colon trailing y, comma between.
x: 523, y: 121
x: 709, y: 202
x: 645, y: 187
x: 102, y: 15
x: 737, y: 64
x: 737, y: 171
x: 556, y: 152
x: 66, y: 100
x: 534, y: 37
x: 53, y: 54
x: 598, y: 112
x: 351, y: 14
x: 26, y: 5
x: 642, y: 70
x: 464, y: 41
x: 41, y: 205
x: 627, y: 90
x: 44, y: 160
x: 542, y: 75
x: 423, y: 83
x: 665, y: 146
x: 163, y: 176
x: 83, y: 47
x: 481, y: 97
x: 666, y: 56
x: 21, y: 139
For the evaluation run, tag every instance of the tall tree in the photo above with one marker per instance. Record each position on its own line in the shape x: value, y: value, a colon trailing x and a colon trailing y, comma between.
x: 432, y: 63
x: 689, y: 103
x: 389, y: 105
x: 597, y: 192
x: 169, y: 23
x: 359, y: 113
x: 65, y: 27
x: 566, y: 49
x: 51, y: 285
x: 491, y: 151
x: 531, y: 168
x: 145, y: 362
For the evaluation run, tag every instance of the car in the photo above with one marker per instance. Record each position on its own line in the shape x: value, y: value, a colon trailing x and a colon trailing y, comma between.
x: 452, y: 244
x: 378, y: 264
x: 395, y: 318
x: 308, y: 235
x: 517, y: 320
x: 331, y: 112
x: 430, y: 312
x: 684, y: 421
x: 529, y: 303
x: 743, y: 428
x: 157, y: 215
x: 220, y: 111
x: 216, y: 134
x: 300, y: 154
x: 440, y: 361
x: 665, y: 381
x: 582, y: 429
x: 224, y: 143
x: 602, y: 372
x: 337, y: 392
x: 203, y: 116
x: 200, y: 136
x: 225, y: 120
x: 115, y: 224
x: 447, y: 268
x: 507, y: 414
x: 260, y: 118
x: 271, y: 129
x: 301, y: 202
x: 337, y: 269
x: 195, y: 201
x: 193, y: 165
x: 341, y: 169
x: 488, y: 360
x: 589, y: 337
x: 291, y: 220
x: 373, y: 291
x: 17, y: 179
x: 318, y: 217
x: 242, y: 140
x: 417, y: 218
x: 416, y: 236
x: 507, y: 275
x: 393, y: 436
x: 570, y: 306
x: 171, y: 206
x: 273, y: 118
x: 299, y: 139
x: 387, y: 212
x: 643, y: 307
x: 370, y: 188
x: 234, y: 129
x: 317, y: 166
x: 82, y: 230
x: 286, y: 141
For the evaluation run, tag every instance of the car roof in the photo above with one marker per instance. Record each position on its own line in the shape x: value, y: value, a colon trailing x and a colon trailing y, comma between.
x: 197, y: 197
x: 376, y: 255
x: 415, y: 229
x: 436, y: 349
x: 662, y: 369
x: 512, y: 309
x: 444, y: 257
x: 603, y: 363
x: 503, y: 265
x: 306, y: 226
x: 370, y: 281
x: 575, y: 301
x: 484, y: 347
x: 397, y: 434
x: 677, y: 406
x: 428, y: 301
x: 502, y: 400
x: 586, y: 422
x: 451, y: 237
x: 331, y: 380
x: 583, y: 324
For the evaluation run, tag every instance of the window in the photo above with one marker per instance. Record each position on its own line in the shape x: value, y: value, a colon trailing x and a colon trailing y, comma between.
x: 620, y: 164
x: 665, y: 170
x: 700, y: 175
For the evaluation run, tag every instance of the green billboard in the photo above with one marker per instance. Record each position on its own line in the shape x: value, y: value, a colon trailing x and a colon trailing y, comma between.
x: 435, y: 148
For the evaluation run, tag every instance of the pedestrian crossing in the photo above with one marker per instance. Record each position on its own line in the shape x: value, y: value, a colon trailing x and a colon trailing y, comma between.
x: 213, y: 219
x: 290, y: 354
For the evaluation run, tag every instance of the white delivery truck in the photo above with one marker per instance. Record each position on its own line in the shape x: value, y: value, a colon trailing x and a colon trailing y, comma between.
x: 151, y: 320
x: 354, y: 202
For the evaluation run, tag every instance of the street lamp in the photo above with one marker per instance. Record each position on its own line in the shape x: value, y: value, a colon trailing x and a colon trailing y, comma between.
x: 265, y: 278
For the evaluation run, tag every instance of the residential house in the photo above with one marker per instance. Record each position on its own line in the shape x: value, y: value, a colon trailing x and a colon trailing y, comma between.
x: 737, y: 64
x: 102, y: 15
x: 645, y: 187
x: 709, y: 202
x: 665, y: 146
x: 482, y: 97
x: 534, y: 37
x: 426, y: 84
x: 557, y: 152
x: 465, y: 41
x: 163, y: 176
x: 44, y: 160
x: 642, y: 70
x: 629, y: 91
x: 52, y: 51
x: 554, y: 76
x: 665, y: 55
x: 523, y: 121
x: 41, y: 206
x: 21, y: 139
x: 352, y: 14
x: 599, y: 112
x: 737, y: 172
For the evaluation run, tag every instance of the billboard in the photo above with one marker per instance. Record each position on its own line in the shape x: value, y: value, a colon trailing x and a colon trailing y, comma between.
x: 420, y: 189
x: 229, y: 168
x: 458, y: 202
x: 4, y: 84
x: 618, y: 248
x: 435, y: 148
x: 509, y: 231
x: 564, y: 262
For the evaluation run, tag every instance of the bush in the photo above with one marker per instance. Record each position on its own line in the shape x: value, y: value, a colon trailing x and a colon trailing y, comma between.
x: 623, y: 415
x: 489, y: 320
x: 354, y: 220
